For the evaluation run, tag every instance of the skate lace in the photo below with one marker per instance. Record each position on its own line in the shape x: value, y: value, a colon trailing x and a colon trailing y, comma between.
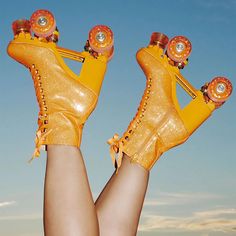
x: 116, y: 143
x: 42, y: 131
x: 116, y: 149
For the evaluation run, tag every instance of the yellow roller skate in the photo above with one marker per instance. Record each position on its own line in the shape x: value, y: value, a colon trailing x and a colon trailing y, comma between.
x: 160, y: 123
x: 65, y: 99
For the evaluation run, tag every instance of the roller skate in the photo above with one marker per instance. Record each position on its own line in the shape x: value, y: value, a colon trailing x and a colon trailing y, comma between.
x: 160, y: 123
x: 65, y: 99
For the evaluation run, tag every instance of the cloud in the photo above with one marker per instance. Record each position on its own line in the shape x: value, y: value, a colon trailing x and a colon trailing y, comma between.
x: 152, y: 202
x: 167, y: 199
x: 221, y: 220
x: 4, y: 204
x: 216, y: 213
x: 188, y: 195
x: 22, y: 217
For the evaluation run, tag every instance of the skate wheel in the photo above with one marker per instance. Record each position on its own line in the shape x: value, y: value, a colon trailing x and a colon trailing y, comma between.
x: 21, y: 25
x: 179, y: 49
x: 101, y: 38
x: 109, y: 54
x: 219, y: 89
x: 43, y: 23
x: 159, y: 39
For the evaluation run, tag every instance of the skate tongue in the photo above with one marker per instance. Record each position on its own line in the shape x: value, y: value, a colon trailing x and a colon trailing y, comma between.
x: 116, y: 151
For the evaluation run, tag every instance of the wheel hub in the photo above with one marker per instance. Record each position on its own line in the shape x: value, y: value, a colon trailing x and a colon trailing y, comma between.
x: 220, y: 88
x: 100, y: 37
x: 180, y: 47
x: 42, y: 21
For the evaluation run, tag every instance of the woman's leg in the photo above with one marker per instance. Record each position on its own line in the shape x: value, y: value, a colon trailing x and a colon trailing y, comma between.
x: 65, y: 102
x: 158, y: 126
x: 120, y: 203
x: 68, y: 206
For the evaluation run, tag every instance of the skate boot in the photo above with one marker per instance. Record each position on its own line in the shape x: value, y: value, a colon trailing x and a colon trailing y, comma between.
x: 65, y: 99
x: 160, y: 123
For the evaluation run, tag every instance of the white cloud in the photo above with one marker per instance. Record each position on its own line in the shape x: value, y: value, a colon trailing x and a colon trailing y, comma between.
x: 152, y: 202
x: 216, y: 213
x: 188, y: 195
x: 4, y: 204
x: 22, y: 217
x: 222, y: 220
x: 166, y: 199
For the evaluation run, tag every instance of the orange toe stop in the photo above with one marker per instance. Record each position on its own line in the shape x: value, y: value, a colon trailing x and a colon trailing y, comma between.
x: 21, y: 25
x: 159, y: 39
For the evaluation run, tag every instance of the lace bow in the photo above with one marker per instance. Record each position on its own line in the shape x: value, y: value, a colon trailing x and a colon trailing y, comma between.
x: 116, y: 151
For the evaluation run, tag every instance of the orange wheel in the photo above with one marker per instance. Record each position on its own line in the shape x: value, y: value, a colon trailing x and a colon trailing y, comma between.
x: 21, y: 25
x: 179, y: 49
x: 109, y: 54
x: 159, y: 39
x: 219, y: 89
x: 101, y: 38
x: 43, y: 23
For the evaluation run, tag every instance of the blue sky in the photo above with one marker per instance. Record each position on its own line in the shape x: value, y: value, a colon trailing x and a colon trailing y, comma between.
x: 192, y: 189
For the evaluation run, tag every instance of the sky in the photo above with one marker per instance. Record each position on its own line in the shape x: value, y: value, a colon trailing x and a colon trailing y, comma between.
x: 192, y: 188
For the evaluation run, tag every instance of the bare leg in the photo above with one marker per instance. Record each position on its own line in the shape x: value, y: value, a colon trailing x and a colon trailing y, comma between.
x: 68, y: 206
x: 120, y: 203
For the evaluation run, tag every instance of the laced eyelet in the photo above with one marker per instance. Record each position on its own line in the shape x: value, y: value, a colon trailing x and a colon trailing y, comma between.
x: 135, y: 123
x: 40, y: 93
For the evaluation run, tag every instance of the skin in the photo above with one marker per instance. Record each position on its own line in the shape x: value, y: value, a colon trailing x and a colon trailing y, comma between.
x: 68, y: 204
x: 120, y: 204
x: 69, y: 209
